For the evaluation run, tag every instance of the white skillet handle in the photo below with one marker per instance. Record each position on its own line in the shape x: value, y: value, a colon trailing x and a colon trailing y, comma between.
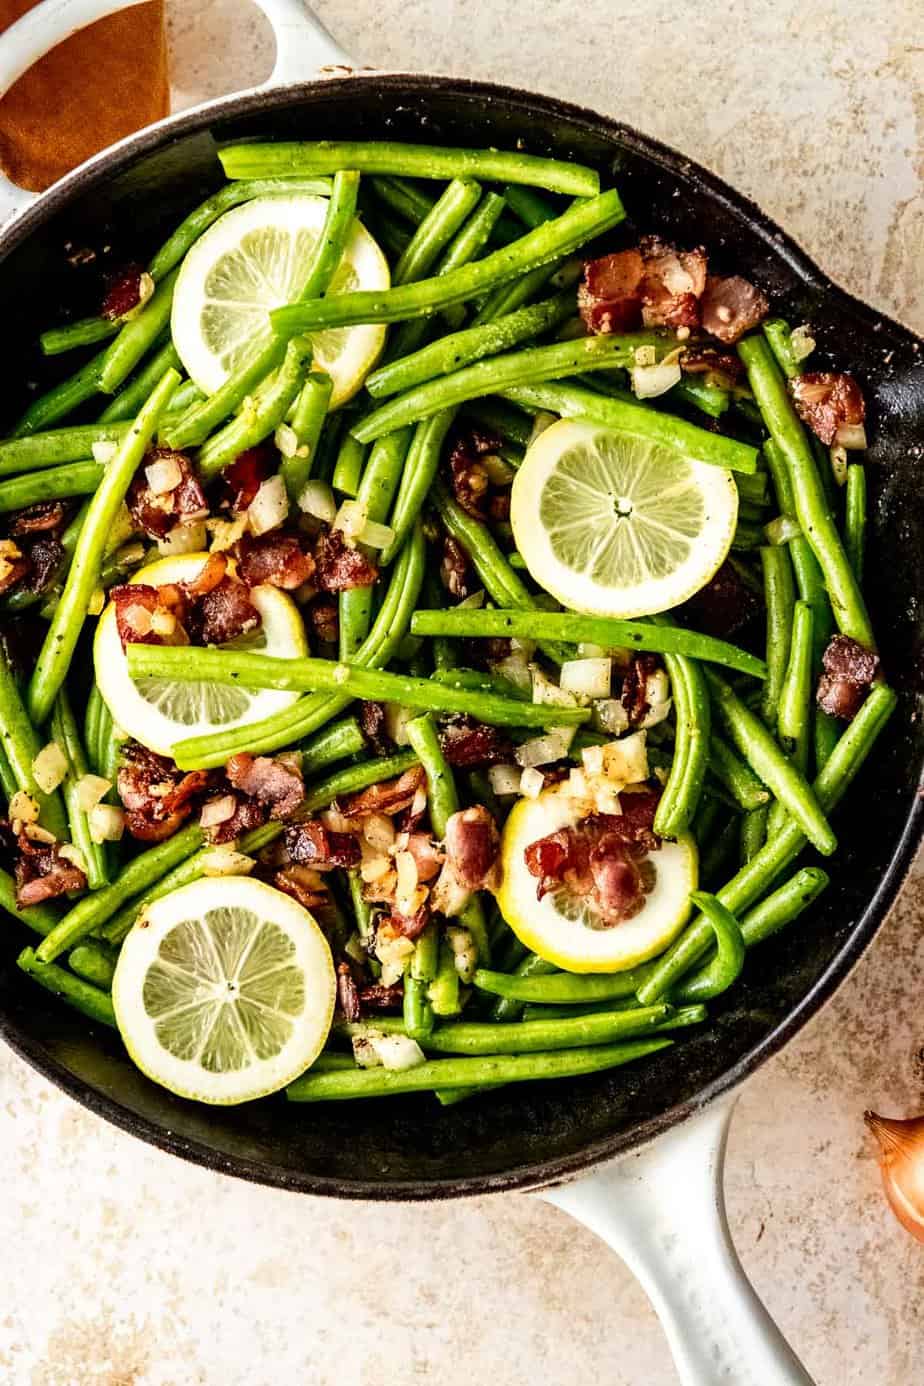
x: 663, y: 1211
x: 303, y: 47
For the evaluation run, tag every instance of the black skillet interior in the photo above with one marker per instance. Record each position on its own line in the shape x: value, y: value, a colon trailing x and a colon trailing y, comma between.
x: 412, y: 1148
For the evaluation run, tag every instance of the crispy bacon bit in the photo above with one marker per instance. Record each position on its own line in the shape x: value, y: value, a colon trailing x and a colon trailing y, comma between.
x: 304, y: 885
x: 825, y: 400
x: 408, y: 925
x: 243, y: 477
x: 157, y: 796
x: 672, y: 284
x: 41, y: 872
x: 427, y: 856
x: 311, y: 844
x: 347, y: 993
x: 248, y: 814
x: 39, y: 518
x: 849, y: 669
x: 271, y: 782
x: 470, y: 481
x: 723, y: 606
x: 222, y: 614
x: 732, y: 306
x: 123, y: 292
x: 601, y: 860
x: 375, y: 997
x: 46, y: 553
x: 634, y: 687
x: 708, y: 360
x: 137, y: 602
x: 14, y: 565
x: 466, y: 742
x: 608, y: 297
x: 277, y: 558
x: 389, y: 797
x: 455, y: 569
x: 472, y: 846
x: 158, y: 514
x: 208, y: 577
x: 340, y: 567
x: 322, y: 616
x: 372, y: 726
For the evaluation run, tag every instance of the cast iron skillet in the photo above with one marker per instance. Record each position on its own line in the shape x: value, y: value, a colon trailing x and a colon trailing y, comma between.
x: 533, y: 1135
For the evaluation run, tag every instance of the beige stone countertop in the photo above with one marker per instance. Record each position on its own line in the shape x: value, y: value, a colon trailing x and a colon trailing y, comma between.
x: 124, y: 1267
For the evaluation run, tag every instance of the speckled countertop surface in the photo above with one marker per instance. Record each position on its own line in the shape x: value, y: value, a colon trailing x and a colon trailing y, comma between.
x: 123, y: 1267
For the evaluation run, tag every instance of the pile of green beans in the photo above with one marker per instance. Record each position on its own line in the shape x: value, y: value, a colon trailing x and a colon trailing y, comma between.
x: 484, y: 332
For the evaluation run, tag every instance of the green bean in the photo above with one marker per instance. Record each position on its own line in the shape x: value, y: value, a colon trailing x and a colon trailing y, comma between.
x: 94, y: 962
x: 333, y: 743
x: 725, y: 967
x: 194, y: 426
x: 307, y: 715
x: 418, y: 1017
x: 755, y: 743
x: 528, y: 1036
x: 509, y: 1007
x: 708, y: 399
x: 380, y: 480
x: 349, y: 465
x: 354, y: 610
x: 855, y: 517
x: 559, y: 237
x: 784, y: 905
x: 62, y: 398
x: 810, y: 501
x: 355, y: 777
x: 736, y: 775
x: 499, y: 579
x: 571, y: 401
x: 35, y: 451
x: 531, y: 207
x: 795, y: 705
x: 524, y: 367
x: 191, y: 228
x: 485, y: 1070
x: 136, y: 336
x: 681, y: 795
x: 779, y: 599
x: 64, y: 733
x: 91, y: 1001
x: 443, y: 992
x: 54, y: 483
x: 288, y: 158
x: 21, y: 745
x: 507, y: 420
x: 598, y: 630
x: 257, y: 420
x: 403, y: 197
x: 748, y: 536
x: 42, y: 918
x: 307, y: 421
x: 752, y: 489
x: 422, y: 464
x: 448, y: 354
x: 482, y: 680
x: 562, y: 987
x: 749, y: 883
x: 308, y: 675
x: 67, y: 621
x: 436, y: 230
x: 779, y: 339
x: 753, y: 833
x: 718, y: 849
x: 84, y: 332
x: 131, y: 397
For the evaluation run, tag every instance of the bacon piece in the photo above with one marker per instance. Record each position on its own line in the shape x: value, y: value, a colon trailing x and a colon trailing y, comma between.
x: 408, y: 925
x: 222, y: 614
x: 723, y: 606
x: 609, y: 298
x: 132, y: 599
x: 41, y: 873
x: 157, y: 796
x: 375, y: 997
x: 455, y: 569
x: 389, y: 797
x: 347, y: 993
x: 731, y: 306
x: 849, y: 670
x: 39, y: 518
x: 311, y: 844
x: 157, y: 514
x: 470, y: 481
x: 243, y: 477
x: 372, y: 726
x: 123, y: 292
x: 276, y: 558
x: 322, y: 616
x: 672, y: 284
x: 46, y: 554
x: 340, y: 567
x: 14, y: 565
x: 208, y: 577
x: 466, y: 742
x: 634, y: 687
x: 303, y: 884
x: 276, y: 784
x: 472, y: 846
x: 248, y: 814
x: 427, y: 856
x: 825, y: 400
x: 709, y: 360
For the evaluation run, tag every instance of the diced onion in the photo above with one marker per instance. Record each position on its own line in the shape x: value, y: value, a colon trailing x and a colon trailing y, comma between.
x: 839, y: 464
x: 106, y: 822
x: 23, y: 808
x: 379, y: 832
x: 504, y: 779
x: 218, y: 811
x: 163, y: 623
x: 49, y: 767
x: 90, y: 789
x: 542, y: 750
x: 801, y: 342
x: 587, y: 678
x: 286, y: 440
x: 226, y: 533
x: 163, y: 476
x: 625, y: 760
x: 645, y: 356
x: 224, y: 861
x: 396, y: 720
x: 376, y: 535
x: 592, y: 760
x: 103, y: 451
x: 183, y: 539
x: 515, y: 668
x: 851, y: 437
x: 606, y: 797
x: 36, y: 833
x: 650, y: 381
x: 532, y: 782
x: 375, y: 866
x: 611, y: 716
x: 658, y: 698
x: 351, y: 519
x: 270, y: 505
x: 317, y: 499
x: 365, y: 1052
x: 588, y: 651
x: 406, y: 889
x: 393, y: 953
x: 74, y: 855
x: 464, y: 952
x: 546, y: 692
x: 782, y: 529
x: 138, y: 619
x: 397, y: 1052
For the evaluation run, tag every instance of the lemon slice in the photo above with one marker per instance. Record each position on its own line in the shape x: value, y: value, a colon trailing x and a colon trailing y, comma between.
x: 257, y: 257
x: 159, y: 713
x: 558, y: 927
x: 617, y: 525
x: 224, y: 990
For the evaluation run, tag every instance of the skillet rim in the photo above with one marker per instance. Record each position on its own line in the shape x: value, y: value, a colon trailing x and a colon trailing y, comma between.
x: 534, y: 1174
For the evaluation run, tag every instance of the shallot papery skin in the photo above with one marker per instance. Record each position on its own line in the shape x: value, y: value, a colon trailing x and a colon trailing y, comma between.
x: 901, y: 1159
